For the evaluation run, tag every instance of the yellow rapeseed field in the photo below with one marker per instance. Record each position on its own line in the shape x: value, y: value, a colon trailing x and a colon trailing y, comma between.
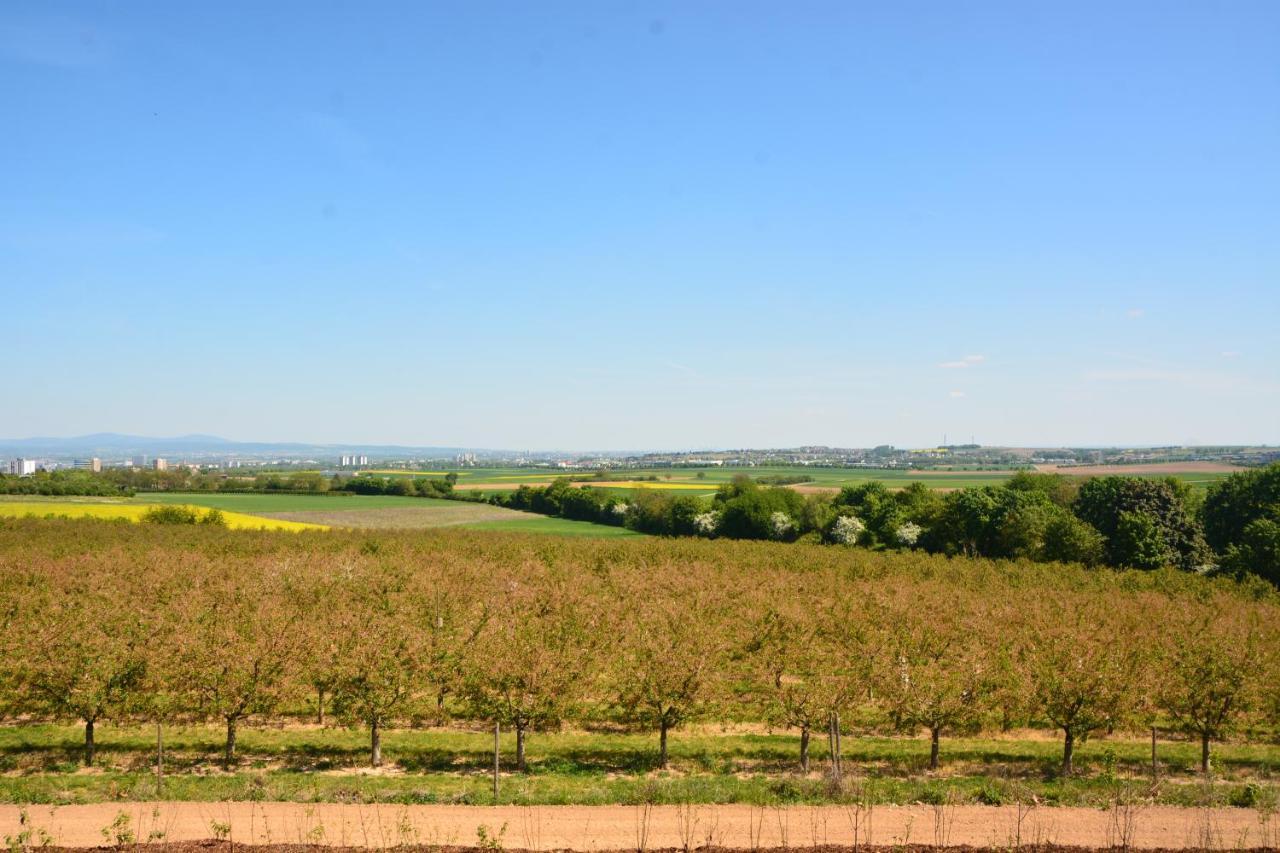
x: 135, y: 512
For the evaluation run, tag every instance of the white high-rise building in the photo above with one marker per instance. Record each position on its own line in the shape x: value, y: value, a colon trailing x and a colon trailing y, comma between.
x: 22, y: 467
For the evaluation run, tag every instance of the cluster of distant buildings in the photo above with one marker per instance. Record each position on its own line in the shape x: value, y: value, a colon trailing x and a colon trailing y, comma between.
x: 26, y: 467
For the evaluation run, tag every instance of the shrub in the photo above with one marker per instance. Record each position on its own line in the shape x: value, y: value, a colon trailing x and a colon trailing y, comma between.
x: 172, y: 515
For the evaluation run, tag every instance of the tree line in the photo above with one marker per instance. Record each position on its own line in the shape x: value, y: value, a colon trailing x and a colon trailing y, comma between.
x: 1126, y: 522
x: 198, y: 623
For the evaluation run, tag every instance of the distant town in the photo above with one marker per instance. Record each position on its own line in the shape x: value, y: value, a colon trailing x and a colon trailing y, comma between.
x: 885, y: 457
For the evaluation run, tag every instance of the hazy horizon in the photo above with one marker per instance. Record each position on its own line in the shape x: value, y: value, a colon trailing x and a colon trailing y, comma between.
x: 9, y: 442
x: 657, y: 226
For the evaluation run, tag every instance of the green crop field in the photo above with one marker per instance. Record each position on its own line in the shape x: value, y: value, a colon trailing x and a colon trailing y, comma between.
x: 712, y: 477
x: 355, y: 511
x: 556, y: 526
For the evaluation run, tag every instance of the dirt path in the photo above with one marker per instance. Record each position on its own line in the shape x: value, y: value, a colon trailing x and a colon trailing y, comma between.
x: 591, y: 828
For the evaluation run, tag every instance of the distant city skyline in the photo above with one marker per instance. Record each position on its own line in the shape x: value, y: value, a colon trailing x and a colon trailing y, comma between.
x: 125, y: 448
x: 667, y: 226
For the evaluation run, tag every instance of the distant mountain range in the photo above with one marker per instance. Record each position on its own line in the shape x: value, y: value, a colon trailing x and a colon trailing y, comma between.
x: 115, y: 444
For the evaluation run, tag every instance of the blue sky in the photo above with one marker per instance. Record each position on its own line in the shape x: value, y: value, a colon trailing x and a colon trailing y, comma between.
x: 642, y: 225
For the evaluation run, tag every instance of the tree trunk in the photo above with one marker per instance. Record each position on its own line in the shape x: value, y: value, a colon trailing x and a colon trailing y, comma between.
x: 375, y: 744
x: 934, y: 733
x: 662, y: 744
x: 520, y: 766
x: 89, y: 749
x: 440, y: 708
x: 804, y: 749
x: 319, y: 706
x: 1204, y: 753
x: 1068, y: 747
x: 229, y: 756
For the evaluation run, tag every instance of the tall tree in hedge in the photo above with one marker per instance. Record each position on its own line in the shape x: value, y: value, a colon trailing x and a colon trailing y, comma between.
x: 1067, y: 539
x: 877, y: 508
x: 1145, y: 521
x: 1232, y: 504
x: 754, y: 513
x: 991, y: 522
x: 1242, y: 522
x: 1258, y: 551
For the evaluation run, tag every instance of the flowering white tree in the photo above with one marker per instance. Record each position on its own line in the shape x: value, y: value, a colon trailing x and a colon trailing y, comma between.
x: 621, y: 509
x: 781, y: 525
x: 847, y: 529
x: 706, y: 523
x: 909, y: 534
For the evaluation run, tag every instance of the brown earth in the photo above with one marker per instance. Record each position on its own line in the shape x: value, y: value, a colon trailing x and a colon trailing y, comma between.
x: 406, y: 517
x: 598, y: 828
x: 214, y: 846
x: 811, y: 489
x: 493, y: 487
x: 1153, y: 468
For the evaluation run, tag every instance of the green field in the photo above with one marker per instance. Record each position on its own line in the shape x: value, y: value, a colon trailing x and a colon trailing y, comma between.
x: 712, y: 477
x: 39, y: 765
x: 358, y: 511
x: 556, y: 526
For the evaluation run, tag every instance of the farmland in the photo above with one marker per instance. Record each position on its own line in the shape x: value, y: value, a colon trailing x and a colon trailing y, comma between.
x: 135, y: 511
x: 660, y: 670
x: 299, y: 512
x: 704, y: 481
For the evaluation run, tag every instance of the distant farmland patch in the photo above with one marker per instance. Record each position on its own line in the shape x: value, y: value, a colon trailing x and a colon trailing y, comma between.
x: 405, y: 517
x: 1154, y: 469
x: 134, y: 512
x: 385, y: 512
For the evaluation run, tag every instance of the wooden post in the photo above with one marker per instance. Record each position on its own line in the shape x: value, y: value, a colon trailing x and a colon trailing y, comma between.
x: 497, y: 731
x: 840, y: 760
x: 159, y: 757
x: 833, y: 738
x: 1154, y: 771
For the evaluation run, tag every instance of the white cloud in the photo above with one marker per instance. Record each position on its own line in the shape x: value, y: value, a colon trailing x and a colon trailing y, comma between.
x: 1135, y: 312
x: 955, y: 395
x: 967, y: 361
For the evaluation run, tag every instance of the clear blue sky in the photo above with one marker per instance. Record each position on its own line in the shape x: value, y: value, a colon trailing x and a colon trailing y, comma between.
x: 642, y: 225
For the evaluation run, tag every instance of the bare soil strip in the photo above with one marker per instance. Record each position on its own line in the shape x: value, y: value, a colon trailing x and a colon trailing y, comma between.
x: 1153, y: 469
x: 597, y: 828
